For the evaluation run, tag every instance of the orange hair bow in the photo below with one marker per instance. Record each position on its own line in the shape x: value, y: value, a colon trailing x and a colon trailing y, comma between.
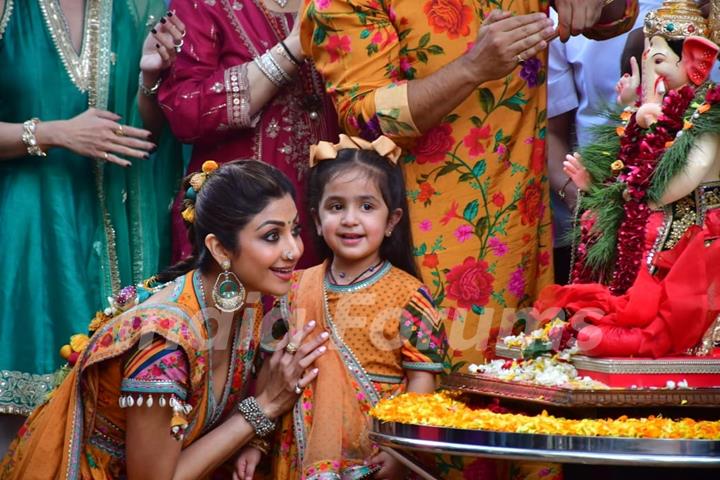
x: 328, y: 151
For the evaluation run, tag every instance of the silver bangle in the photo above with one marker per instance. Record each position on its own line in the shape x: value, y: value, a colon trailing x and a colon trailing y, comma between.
x: 253, y: 414
x: 276, y: 66
x: 269, y: 67
x: 149, y: 92
x: 28, y: 138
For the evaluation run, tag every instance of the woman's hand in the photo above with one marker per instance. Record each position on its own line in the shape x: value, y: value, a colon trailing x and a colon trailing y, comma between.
x: 97, y: 134
x: 161, y: 46
x: 504, y: 41
x: 284, y: 372
x: 293, y: 40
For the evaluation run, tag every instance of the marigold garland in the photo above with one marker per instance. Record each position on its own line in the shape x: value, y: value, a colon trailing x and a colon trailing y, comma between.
x: 442, y: 410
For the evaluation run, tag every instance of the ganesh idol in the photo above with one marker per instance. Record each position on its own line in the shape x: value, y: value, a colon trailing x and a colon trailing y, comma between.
x: 646, y: 271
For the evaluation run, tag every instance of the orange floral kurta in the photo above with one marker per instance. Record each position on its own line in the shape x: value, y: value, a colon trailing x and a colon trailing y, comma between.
x: 476, y: 182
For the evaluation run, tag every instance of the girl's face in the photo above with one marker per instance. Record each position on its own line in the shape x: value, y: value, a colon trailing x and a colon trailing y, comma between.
x: 269, y: 247
x: 353, y: 219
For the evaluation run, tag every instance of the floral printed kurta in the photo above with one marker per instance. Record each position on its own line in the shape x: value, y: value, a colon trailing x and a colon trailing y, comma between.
x: 476, y: 182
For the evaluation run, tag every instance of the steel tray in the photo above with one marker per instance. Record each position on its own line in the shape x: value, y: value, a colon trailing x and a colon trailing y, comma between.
x: 553, y: 448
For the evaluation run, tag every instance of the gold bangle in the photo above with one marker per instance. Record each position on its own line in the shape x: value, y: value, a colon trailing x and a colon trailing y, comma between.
x: 260, y: 444
x: 149, y: 91
x: 28, y: 138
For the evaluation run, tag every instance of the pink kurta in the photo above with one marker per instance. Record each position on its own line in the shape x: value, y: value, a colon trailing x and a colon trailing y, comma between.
x: 202, y: 95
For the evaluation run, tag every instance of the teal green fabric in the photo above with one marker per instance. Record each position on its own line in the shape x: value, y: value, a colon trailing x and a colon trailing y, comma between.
x: 55, y: 262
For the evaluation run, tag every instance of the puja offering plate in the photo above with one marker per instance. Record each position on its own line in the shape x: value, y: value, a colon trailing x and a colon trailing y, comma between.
x: 553, y: 448
x: 571, y: 397
x: 698, y: 372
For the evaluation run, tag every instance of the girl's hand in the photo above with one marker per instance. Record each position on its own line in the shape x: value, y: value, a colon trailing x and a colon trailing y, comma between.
x: 246, y: 463
x: 97, y: 134
x: 285, y: 371
x: 626, y: 87
x: 161, y: 46
x: 390, y: 469
x: 573, y: 168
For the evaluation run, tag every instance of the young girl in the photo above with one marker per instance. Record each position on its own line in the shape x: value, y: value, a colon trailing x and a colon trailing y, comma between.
x: 385, y: 335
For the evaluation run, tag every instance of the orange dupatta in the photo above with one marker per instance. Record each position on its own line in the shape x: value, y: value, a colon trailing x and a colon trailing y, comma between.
x: 330, y: 423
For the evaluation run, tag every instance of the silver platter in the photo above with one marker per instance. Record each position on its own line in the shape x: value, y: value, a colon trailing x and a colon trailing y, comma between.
x: 556, y: 448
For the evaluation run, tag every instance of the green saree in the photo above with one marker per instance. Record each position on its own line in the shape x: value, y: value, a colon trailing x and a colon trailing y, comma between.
x: 72, y: 229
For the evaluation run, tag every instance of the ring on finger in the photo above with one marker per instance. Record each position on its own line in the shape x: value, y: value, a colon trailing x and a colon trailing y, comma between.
x: 298, y: 389
x: 178, y: 46
x: 106, y: 156
x: 119, y: 131
x: 291, y: 348
x: 519, y: 57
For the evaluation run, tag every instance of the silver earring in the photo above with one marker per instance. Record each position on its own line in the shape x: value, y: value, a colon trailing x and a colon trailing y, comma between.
x: 388, y: 233
x: 228, y: 293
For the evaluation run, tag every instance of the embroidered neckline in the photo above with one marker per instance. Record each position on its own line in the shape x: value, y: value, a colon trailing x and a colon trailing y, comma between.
x: 5, y: 16
x: 78, y: 66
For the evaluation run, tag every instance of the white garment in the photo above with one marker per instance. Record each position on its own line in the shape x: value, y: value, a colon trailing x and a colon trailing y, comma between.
x: 582, y: 74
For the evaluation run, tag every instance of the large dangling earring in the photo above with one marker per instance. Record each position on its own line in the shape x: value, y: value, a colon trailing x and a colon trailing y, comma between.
x: 228, y: 293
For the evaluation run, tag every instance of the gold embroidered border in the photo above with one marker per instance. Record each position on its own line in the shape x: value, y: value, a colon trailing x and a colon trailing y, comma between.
x: 99, y: 32
x: 77, y: 66
x: 5, y: 16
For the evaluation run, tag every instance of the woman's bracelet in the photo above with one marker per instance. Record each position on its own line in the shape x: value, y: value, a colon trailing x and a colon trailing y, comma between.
x: 28, y: 138
x: 253, y: 414
x: 270, y: 68
x: 283, y: 50
x: 260, y: 444
x: 149, y: 92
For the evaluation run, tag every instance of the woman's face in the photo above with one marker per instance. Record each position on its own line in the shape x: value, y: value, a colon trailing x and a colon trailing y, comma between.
x: 269, y: 247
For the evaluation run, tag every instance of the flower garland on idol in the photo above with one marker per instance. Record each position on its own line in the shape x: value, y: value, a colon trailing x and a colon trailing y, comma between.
x: 631, y: 166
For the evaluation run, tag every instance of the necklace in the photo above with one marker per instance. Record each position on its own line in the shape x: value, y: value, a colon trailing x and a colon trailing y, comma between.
x: 281, y: 3
x: 370, y: 269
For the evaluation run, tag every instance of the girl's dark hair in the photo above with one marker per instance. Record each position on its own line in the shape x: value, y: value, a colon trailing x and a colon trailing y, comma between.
x: 397, y: 248
x: 230, y: 197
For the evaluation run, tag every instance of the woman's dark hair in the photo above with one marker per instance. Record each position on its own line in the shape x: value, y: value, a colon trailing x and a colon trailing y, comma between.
x: 397, y: 248
x: 230, y: 197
